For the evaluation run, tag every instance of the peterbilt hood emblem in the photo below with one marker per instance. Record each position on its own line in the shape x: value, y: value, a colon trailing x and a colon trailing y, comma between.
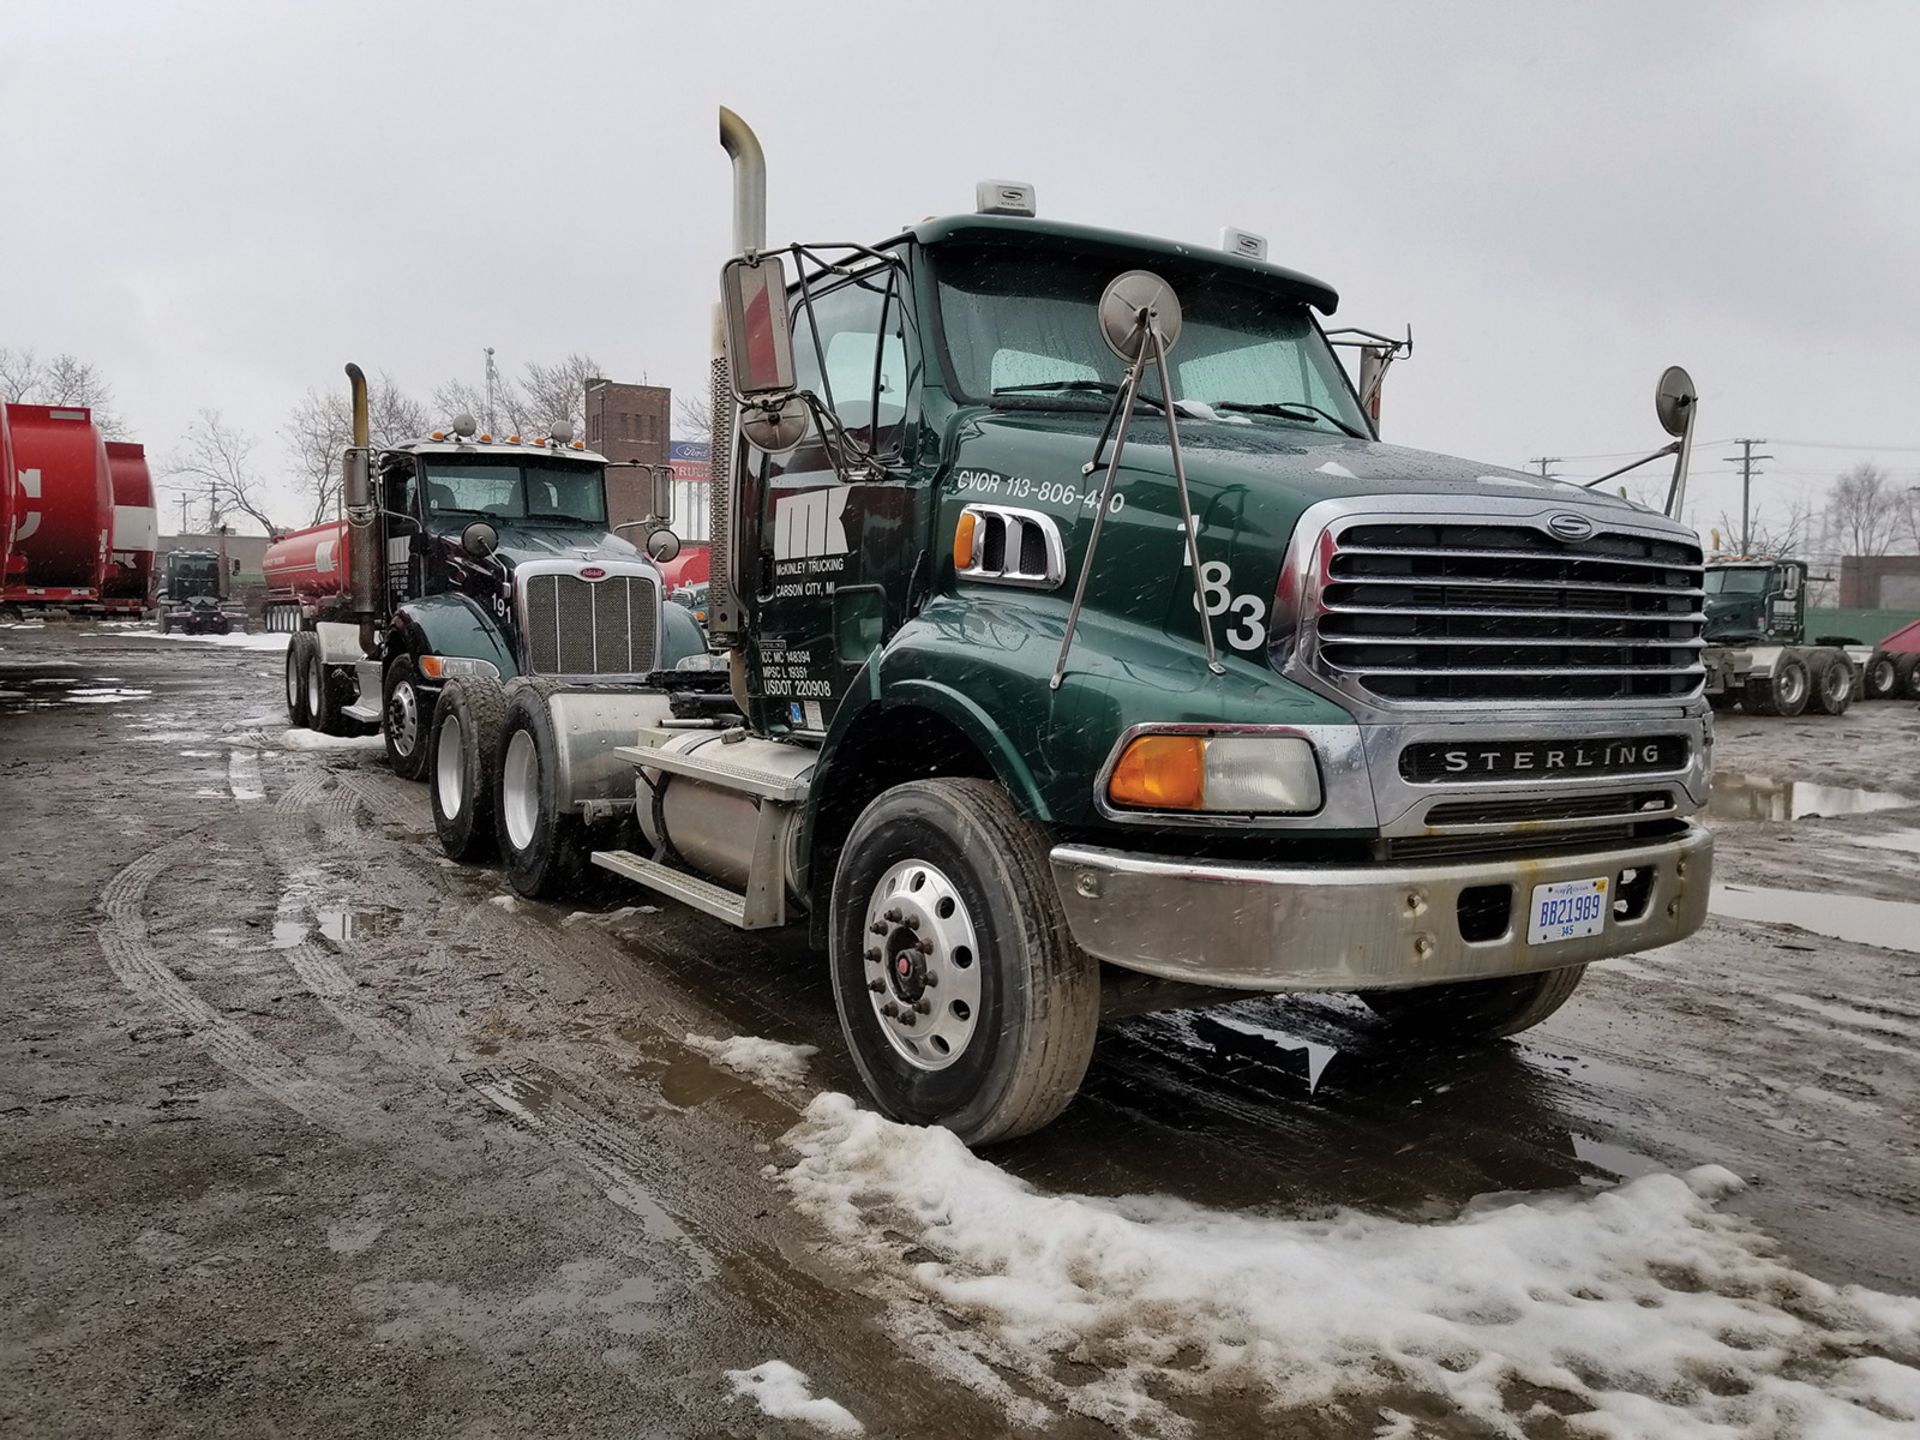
x: 592, y: 572
x: 1569, y: 526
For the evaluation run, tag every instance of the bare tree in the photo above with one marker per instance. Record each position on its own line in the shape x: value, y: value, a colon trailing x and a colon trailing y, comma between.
x: 1909, y: 514
x: 1862, y: 510
x: 550, y: 393
x: 1791, y: 529
x: 64, y: 380
x: 216, y: 459
x: 693, y: 416
x: 321, y: 428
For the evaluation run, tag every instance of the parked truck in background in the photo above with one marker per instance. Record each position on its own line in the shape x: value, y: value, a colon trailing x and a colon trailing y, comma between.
x: 193, y: 597
x: 1087, y: 651
x: 463, y: 554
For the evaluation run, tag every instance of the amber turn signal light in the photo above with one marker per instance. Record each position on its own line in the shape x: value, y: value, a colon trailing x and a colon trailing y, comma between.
x: 963, y: 540
x: 1161, y: 772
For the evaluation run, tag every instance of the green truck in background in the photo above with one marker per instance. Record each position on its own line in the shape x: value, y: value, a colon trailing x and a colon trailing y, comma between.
x: 1086, y: 651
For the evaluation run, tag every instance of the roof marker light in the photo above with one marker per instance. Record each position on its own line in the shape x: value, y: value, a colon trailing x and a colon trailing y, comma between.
x: 1004, y: 197
x: 1243, y: 243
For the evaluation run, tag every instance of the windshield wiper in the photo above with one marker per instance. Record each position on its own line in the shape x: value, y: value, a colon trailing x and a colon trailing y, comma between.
x: 1091, y: 387
x: 570, y: 519
x: 1289, y: 410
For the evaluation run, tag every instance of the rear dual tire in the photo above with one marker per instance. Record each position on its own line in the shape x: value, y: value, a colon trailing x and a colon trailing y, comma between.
x: 1907, y: 677
x: 1785, y: 692
x: 1834, y: 682
x: 462, y: 754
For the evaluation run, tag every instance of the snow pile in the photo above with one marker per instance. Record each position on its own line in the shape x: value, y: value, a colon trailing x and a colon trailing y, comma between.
x: 295, y: 739
x: 1642, y: 1307
x: 609, y: 917
x: 508, y: 903
x: 766, y: 1061
x: 781, y: 1392
x: 264, y: 640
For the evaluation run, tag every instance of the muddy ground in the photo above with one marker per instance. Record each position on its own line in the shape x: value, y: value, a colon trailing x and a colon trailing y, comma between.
x: 305, y: 1131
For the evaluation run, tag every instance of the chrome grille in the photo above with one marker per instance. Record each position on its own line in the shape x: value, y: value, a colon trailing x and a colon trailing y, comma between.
x: 1505, y: 612
x: 591, y: 627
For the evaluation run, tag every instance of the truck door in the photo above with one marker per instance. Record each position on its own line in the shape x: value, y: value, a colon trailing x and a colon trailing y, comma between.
x: 837, y: 544
x: 1785, y: 601
x: 407, y: 557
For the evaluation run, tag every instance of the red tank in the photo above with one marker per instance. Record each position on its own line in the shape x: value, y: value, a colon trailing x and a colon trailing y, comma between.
x: 6, y: 495
x: 136, y: 527
x: 63, y: 503
x: 307, y: 565
x: 692, y: 566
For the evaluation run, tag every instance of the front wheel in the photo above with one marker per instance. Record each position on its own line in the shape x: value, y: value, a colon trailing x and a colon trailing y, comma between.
x: 1906, y: 684
x: 961, y: 993
x: 1475, y: 1009
x: 404, y: 714
x: 460, y: 781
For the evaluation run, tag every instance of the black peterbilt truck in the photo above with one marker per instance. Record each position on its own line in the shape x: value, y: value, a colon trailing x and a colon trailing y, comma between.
x: 465, y: 555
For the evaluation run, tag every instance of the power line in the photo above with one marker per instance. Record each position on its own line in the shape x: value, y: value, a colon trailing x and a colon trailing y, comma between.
x: 1543, y: 461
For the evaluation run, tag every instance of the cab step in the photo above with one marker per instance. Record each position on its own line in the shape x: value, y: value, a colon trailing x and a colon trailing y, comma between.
x: 716, y: 900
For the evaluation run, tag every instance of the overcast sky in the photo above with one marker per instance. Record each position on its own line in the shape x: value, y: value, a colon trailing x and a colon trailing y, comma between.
x: 219, y: 204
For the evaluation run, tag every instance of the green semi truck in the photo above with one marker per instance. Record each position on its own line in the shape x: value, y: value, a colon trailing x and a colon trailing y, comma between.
x: 1079, y: 649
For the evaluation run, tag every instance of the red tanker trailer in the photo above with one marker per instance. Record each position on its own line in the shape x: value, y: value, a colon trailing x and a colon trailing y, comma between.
x: 306, y: 573
x: 63, y: 506
x: 6, y: 495
x: 136, y: 531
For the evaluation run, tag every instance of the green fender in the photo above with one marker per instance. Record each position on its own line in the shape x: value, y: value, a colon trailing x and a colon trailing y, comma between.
x: 451, y: 624
x: 680, y: 635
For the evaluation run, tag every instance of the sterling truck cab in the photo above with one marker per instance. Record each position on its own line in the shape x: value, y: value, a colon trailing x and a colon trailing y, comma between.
x: 467, y: 556
x: 1088, y: 652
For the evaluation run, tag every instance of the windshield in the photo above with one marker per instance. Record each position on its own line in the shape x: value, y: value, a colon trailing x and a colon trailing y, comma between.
x: 521, y: 490
x: 1022, y: 325
x: 1752, y: 581
x: 199, y: 569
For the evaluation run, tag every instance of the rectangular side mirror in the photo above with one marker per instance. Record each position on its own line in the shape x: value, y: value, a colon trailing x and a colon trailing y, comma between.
x: 759, y: 330
x: 663, y: 492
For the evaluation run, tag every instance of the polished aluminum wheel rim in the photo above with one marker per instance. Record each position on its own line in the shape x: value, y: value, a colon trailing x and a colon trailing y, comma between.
x: 449, y: 775
x: 520, y: 790
x: 922, y: 965
x: 316, y: 683
x: 403, y: 718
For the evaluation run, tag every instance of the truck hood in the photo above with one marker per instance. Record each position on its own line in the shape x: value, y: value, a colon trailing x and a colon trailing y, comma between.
x: 522, y: 543
x: 1250, y: 485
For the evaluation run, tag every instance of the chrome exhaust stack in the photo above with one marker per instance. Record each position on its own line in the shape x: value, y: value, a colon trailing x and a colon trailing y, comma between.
x: 363, y: 540
x: 724, y: 620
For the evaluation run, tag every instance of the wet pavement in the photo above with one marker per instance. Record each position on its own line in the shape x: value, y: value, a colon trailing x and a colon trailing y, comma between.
x: 304, y: 1133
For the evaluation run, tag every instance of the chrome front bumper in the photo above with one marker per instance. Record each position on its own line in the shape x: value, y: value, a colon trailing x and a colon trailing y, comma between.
x: 1360, y: 927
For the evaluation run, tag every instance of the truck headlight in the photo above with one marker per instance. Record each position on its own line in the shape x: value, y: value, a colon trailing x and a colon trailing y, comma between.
x: 451, y: 667
x: 1237, y: 774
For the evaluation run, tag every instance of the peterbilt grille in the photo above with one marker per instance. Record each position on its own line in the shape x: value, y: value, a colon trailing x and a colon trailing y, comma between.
x: 591, y: 627
x: 1489, y: 612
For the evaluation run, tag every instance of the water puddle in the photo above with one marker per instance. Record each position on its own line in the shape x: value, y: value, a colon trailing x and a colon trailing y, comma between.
x: 1760, y: 797
x: 1886, y: 924
x: 292, y: 926
x: 1905, y: 841
x: 52, y: 692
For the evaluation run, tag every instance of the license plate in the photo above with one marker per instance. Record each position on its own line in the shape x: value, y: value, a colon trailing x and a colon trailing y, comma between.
x: 1567, y: 910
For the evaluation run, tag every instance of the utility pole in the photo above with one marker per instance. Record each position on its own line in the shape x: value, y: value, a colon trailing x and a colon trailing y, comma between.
x: 1543, y: 461
x: 1746, y: 457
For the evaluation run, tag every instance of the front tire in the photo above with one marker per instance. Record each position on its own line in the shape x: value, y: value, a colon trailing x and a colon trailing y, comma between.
x: 302, y: 652
x: 1907, y: 677
x: 951, y: 889
x: 460, y: 779
x: 404, y: 716
x: 1474, y: 1009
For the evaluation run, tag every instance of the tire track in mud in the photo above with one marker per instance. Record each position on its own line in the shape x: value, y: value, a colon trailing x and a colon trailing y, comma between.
x: 131, y: 956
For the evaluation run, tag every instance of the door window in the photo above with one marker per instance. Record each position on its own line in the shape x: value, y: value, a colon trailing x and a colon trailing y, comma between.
x: 851, y: 352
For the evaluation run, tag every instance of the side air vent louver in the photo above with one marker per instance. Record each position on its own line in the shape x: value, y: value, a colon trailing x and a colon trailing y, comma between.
x: 1014, y: 547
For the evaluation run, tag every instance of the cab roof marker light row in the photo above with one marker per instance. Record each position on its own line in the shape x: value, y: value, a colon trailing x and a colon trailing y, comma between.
x: 1005, y: 197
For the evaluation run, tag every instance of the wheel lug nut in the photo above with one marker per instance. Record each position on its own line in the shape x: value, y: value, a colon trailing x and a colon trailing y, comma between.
x: 894, y: 915
x: 879, y: 927
x: 907, y: 1017
x: 873, y: 955
x: 921, y: 1007
x: 876, y: 986
x: 890, y: 1010
x: 925, y: 947
x: 930, y: 980
x: 912, y: 922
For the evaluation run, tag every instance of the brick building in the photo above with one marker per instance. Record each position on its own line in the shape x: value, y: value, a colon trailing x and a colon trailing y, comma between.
x: 628, y: 422
x: 1880, y: 582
